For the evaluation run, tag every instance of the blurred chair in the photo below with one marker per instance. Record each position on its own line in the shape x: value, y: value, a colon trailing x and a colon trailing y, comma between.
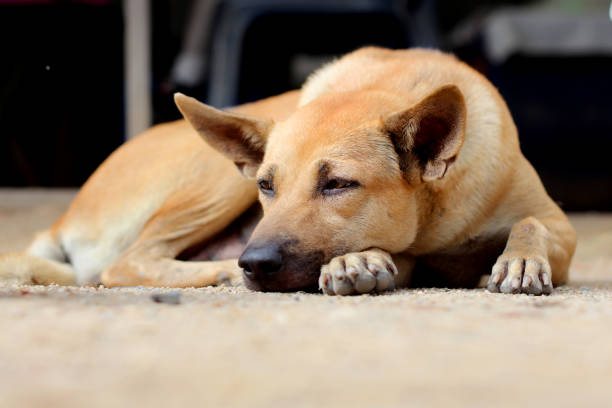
x: 235, y: 17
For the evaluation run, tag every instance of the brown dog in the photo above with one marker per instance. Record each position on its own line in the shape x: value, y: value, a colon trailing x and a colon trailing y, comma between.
x: 388, y: 168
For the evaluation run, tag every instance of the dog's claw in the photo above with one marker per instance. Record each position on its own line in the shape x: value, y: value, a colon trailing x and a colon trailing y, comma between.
x: 357, y: 273
x: 516, y: 274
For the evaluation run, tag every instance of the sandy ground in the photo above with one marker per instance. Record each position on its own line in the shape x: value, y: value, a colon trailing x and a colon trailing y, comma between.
x: 226, y: 346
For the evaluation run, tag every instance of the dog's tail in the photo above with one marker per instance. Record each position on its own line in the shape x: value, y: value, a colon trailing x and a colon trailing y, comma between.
x: 43, y: 263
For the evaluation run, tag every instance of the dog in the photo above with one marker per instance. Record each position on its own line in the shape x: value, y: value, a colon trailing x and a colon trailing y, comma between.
x: 387, y: 169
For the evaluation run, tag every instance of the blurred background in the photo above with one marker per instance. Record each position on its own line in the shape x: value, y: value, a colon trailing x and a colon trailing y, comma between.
x: 78, y: 78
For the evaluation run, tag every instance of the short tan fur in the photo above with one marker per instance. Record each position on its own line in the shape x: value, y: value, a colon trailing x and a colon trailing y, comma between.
x: 387, y: 168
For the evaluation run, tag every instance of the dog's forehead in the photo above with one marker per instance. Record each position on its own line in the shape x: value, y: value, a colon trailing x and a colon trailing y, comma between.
x: 302, y: 149
x: 366, y: 149
x: 340, y: 124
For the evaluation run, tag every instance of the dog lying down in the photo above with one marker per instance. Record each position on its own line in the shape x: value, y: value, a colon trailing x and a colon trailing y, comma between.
x: 387, y: 169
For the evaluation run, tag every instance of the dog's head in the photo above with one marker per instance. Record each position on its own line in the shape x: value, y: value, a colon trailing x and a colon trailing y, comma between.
x: 339, y: 175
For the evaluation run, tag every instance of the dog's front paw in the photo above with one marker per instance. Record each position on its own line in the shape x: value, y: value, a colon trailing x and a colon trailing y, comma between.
x: 513, y: 273
x: 359, y: 272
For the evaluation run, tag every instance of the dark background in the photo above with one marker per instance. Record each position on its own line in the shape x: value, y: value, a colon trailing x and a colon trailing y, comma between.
x: 62, y: 82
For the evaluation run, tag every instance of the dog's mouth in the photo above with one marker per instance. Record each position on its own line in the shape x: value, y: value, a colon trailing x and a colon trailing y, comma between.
x: 260, y: 285
x: 298, y: 273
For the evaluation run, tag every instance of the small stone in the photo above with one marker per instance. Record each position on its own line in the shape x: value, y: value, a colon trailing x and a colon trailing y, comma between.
x: 171, y: 298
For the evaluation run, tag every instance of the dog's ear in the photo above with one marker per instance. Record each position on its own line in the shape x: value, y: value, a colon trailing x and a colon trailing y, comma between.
x: 240, y: 138
x: 429, y: 134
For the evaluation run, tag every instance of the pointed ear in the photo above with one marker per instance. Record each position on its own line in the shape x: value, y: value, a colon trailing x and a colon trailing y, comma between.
x: 429, y: 134
x: 239, y: 138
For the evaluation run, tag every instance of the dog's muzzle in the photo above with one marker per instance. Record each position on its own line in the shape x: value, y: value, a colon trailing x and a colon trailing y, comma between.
x: 279, y: 266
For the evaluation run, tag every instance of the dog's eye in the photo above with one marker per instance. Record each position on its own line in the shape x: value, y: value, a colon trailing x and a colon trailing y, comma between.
x: 266, y: 187
x: 335, y: 186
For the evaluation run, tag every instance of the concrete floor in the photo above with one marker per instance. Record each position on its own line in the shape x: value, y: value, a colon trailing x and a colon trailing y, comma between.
x: 226, y: 346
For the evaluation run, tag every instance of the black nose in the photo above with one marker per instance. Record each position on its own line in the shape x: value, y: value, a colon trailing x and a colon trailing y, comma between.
x: 261, y: 261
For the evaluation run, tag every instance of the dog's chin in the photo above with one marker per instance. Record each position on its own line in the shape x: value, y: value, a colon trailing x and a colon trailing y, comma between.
x: 282, y: 283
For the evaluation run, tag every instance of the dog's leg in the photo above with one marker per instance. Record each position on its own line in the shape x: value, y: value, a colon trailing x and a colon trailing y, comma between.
x: 186, y: 219
x: 151, y: 262
x: 168, y: 272
x: 536, y: 257
x: 25, y: 269
x: 363, y: 272
x: 44, y: 263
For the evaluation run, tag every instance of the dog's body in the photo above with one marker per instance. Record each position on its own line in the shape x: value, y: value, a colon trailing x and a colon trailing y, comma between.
x: 389, y: 167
